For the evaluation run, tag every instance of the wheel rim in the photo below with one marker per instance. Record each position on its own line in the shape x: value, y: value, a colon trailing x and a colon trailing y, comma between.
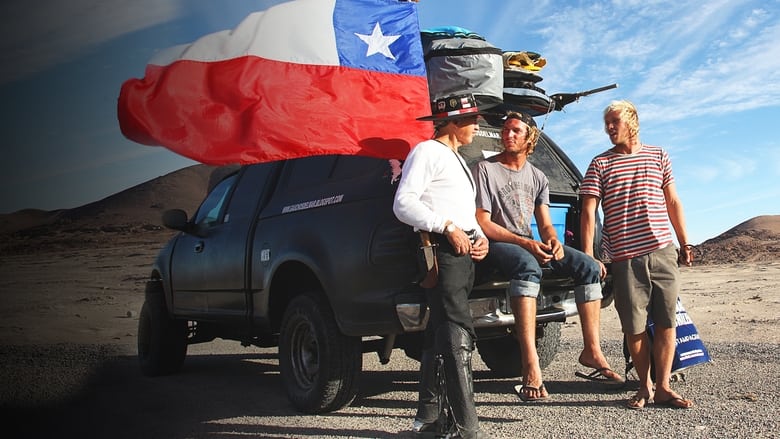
x: 305, y: 355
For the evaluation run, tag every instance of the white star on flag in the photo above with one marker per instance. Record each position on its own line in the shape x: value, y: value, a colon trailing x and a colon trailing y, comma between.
x: 378, y: 43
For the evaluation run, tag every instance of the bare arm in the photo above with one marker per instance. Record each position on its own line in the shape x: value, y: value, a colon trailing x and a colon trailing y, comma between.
x: 547, y: 231
x: 498, y: 233
x: 588, y: 223
x: 494, y: 232
x: 588, y: 227
x: 674, y: 208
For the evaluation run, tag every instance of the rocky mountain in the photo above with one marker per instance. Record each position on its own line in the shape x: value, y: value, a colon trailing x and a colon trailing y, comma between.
x: 130, y: 215
x: 139, y: 206
x: 755, y: 240
x: 134, y: 215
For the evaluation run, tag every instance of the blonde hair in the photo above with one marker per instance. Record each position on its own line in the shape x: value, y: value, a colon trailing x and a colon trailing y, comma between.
x: 628, y: 114
x: 533, y: 131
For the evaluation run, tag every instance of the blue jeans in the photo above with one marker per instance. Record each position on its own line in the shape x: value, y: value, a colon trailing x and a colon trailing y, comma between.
x: 525, y: 274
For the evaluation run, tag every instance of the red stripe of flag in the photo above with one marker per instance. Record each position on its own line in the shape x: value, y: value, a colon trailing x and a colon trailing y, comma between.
x: 273, y: 111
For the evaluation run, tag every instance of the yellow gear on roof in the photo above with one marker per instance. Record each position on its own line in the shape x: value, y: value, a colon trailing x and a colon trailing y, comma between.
x: 530, y: 61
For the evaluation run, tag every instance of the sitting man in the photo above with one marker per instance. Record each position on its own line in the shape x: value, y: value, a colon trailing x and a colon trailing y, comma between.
x: 510, y: 193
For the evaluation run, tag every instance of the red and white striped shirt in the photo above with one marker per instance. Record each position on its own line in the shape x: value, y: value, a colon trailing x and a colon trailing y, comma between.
x: 631, y: 189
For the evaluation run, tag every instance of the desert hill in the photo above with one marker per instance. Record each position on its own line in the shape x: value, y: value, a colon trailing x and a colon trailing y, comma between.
x: 134, y: 215
x: 140, y: 205
x: 755, y: 240
x: 143, y: 204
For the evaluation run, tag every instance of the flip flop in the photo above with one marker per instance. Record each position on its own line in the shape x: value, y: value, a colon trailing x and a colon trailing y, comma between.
x: 598, y: 375
x: 675, y: 402
x: 637, y: 402
x: 519, y: 390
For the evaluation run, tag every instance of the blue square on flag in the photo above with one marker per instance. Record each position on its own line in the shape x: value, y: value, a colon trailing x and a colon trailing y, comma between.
x: 379, y: 35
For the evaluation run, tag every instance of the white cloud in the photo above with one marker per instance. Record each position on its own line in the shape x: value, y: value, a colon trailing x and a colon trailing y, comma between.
x: 696, y: 58
x: 703, y: 174
x: 35, y: 36
x: 725, y: 168
x: 764, y: 198
x: 702, y: 78
x: 755, y: 19
x: 737, y: 168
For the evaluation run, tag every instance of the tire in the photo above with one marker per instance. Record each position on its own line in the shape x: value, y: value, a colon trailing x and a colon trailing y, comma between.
x: 608, y: 293
x: 162, y: 341
x: 502, y: 355
x: 548, y: 344
x: 320, y: 366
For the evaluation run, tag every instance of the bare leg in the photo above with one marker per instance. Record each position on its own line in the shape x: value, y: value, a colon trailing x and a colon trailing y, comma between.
x: 592, y: 356
x: 663, y: 353
x: 639, y: 347
x: 524, y: 310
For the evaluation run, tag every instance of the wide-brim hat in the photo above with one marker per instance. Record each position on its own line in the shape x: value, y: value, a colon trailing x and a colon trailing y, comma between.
x: 459, y: 106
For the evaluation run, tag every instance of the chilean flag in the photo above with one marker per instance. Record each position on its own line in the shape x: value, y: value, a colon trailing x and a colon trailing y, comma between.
x: 307, y: 77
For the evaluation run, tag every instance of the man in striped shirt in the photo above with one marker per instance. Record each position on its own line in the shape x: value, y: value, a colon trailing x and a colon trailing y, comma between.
x: 633, y: 183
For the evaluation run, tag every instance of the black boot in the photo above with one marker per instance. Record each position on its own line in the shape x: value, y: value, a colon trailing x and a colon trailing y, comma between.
x: 455, y: 345
x: 425, y: 424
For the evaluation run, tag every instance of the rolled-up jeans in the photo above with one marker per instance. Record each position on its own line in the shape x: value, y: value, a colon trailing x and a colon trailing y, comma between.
x: 525, y: 274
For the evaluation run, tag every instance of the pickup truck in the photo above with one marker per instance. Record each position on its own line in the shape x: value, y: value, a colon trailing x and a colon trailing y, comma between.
x: 306, y: 255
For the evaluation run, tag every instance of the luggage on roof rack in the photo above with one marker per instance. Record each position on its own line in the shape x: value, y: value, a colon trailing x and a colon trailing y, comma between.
x: 459, y: 61
x: 521, y: 92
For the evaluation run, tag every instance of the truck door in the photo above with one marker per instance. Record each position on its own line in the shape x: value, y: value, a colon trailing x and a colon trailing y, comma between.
x: 208, y: 269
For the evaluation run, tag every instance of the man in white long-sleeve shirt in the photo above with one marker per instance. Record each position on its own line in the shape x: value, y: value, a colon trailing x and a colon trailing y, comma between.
x: 437, y: 194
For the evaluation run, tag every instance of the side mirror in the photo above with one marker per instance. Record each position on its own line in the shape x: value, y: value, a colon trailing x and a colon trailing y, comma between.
x: 176, y: 219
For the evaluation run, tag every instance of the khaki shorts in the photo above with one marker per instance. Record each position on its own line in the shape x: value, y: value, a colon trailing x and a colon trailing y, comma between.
x: 647, y: 284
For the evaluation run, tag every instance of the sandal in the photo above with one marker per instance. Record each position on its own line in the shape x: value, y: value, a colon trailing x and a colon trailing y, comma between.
x: 637, y: 402
x: 675, y: 402
x: 524, y: 390
x: 600, y: 375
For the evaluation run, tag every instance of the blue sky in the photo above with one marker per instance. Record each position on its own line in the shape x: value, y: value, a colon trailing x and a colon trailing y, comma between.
x: 705, y: 77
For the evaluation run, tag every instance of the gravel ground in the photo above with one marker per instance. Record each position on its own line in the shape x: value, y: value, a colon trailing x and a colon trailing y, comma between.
x: 226, y: 391
x: 91, y: 387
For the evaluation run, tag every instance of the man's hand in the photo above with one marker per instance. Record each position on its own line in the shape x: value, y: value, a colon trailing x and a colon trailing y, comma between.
x: 686, y: 255
x: 541, y: 251
x: 480, y: 249
x: 555, y: 248
x: 460, y: 241
x: 602, y: 269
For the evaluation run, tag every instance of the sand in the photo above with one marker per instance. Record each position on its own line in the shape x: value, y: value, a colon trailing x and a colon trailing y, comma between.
x: 93, y: 295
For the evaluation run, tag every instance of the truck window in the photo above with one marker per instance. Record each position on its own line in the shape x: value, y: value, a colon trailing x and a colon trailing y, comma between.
x: 211, y: 208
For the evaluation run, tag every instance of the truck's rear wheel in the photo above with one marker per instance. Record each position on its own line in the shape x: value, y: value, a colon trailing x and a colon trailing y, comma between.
x: 162, y: 341
x: 320, y: 366
x: 502, y: 355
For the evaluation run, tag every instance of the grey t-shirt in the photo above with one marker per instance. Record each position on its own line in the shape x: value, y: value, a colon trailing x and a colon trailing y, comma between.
x: 510, y: 196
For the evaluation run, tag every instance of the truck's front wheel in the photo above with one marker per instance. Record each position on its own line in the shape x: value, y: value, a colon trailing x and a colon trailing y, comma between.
x: 502, y: 355
x: 319, y: 365
x: 162, y: 341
